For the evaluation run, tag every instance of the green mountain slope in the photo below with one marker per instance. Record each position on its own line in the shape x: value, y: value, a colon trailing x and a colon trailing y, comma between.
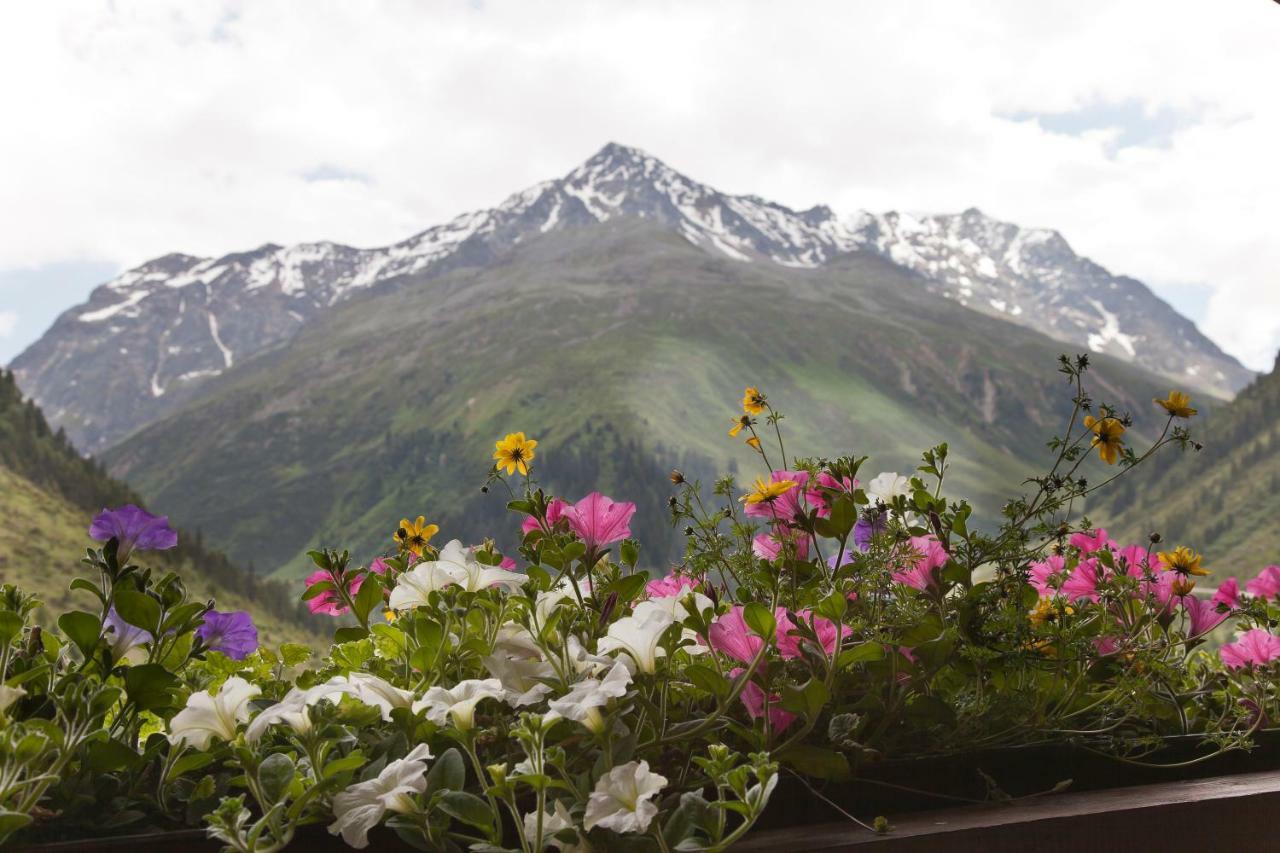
x: 624, y: 350
x: 48, y: 495
x: 1224, y: 500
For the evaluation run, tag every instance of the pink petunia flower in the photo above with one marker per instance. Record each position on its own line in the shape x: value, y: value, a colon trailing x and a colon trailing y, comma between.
x: 1228, y: 593
x: 1266, y: 584
x: 1203, y: 614
x: 818, y: 498
x: 507, y: 563
x: 1136, y: 561
x: 768, y: 546
x: 328, y: 601
x: 752, y: 697
x: 379, y: 566
x: 1089, y: 542
x: 1160, y: 589
x: 789, y: 643
x: 730, y: 635
x: 1041, y: 572
x: 1107, y: 645
x: 1255, y: 648
x: 1084, y: 580
x: 555, y: 511
x: 671, y: 586
x: 600, y: 520
x: 788, y: 505
x: 923, y: 574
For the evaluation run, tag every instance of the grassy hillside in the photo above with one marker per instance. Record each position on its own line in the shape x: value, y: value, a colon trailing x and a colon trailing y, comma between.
x: 1224, y: 500
x: 48, y: 494
x: 624, y: 350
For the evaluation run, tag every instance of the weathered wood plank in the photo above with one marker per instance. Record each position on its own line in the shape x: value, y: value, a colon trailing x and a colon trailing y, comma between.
x: 1200, y: 816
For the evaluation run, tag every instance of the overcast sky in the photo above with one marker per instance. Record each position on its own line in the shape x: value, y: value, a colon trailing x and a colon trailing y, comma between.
x: 1146, y: 132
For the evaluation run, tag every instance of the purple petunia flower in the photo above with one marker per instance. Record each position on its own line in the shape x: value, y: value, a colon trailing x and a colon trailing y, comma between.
x: 121, y: 636
x: 865, y: 529
x: 233, y: 633
x: 134, y: 528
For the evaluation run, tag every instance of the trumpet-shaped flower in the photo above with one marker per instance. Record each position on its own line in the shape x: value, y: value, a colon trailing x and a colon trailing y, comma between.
x: 789, y: 639
x: 547, y: 601
x: 1084, y: 580
x: 232, y: 633
x: 1266, y: 584
x: 887, y: 485
x: 209, y: 715
x: 1228, y: 594
x: 585, y: 699
x: 1203, y: 615
x: 1042, y: 575
x: 638, y: 637
x: 555, y: 511
x: 328, y: 602
x: 817, y: 492
x: 671, y: 585
x: 376, y: 692
x: 867, y: 528
x: 621, y: 798
x: 455, y: 566
x: 1256, y: 647
x: 599, y: 521
x: 929, y: 557
x: 753, y: 698
x: 292, y: 709
x: 122, y: 637
x: 134, y: 529
x: 556, y: 820
x: 730, y: 635
x: 517, y: 662
x: 674, y: 605
x: 458, y: 703
x: 771, y: 546
x: 361, y: 806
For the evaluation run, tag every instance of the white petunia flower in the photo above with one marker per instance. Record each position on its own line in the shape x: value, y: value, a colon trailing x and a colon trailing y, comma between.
x: 208, y: 716
x: 583, y: 702
x: 674, y: 605
x: 375, y: 691
x: 552, y: 822
x: 458, y: 702
x: 518, y: 663
x: 546, y: 602
x: 455, y: 566
x: 9, y: 695
x: 638, y: 638
x: 360, y: 807
x: 586, y: 663
x: 292, y: 709
x: 885, y: 486
x: 620, y: 800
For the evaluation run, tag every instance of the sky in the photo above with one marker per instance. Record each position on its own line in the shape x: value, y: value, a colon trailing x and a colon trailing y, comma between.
x: 1145, y: 133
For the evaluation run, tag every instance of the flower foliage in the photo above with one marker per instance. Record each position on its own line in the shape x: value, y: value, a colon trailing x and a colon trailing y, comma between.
x: 555, y: 695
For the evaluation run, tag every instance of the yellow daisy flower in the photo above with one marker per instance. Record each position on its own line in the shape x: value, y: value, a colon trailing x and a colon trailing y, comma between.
x: 514, y: 453
x: 739, y: 424
x: 1177, y: 404
x: 768, y: 492
x: 1182, y: 560
x: 414, y: 535
x: 753, y: 402
x: 1107, y: 437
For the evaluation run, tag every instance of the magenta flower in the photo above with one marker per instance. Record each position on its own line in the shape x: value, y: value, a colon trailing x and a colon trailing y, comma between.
x: 768, y: 546
x: 379, y: 566
x: 930, y: 557
x: 1088, y: 542
x: 1106, y: 645
x: 730, y: 635
x: 555, y: 510
x: 599, y: 521
x: 507, y: 563
x: 1255, y: 648
x: 1228, y: 594
x: 1136, y: 561
x: 788, y: 505
x: 789, y: 640
x: 753, y: 697
x: 1266, y: 584
x: 1204, y: 615
x: 672, y: 586
x: 1041, y: 573
x: 133, y: 527
x: 817, y: 495
x: 1160, y: 588
x: 328, y: 601
x: 233, y: 633
x: 1083, y: 582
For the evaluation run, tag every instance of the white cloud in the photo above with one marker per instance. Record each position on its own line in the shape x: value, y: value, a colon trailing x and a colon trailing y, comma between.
x: 147, y: 128
x: 8, y: 322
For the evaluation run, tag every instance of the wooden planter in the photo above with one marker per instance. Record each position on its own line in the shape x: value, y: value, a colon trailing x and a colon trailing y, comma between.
x: 1230, y: 802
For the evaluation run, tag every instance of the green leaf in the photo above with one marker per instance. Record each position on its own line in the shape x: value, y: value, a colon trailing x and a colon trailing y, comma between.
x: 708, y: 680
x: 843, y: 515
x: 138, y: 609
x: 354, y: 761
x: 629, y: 552
x: 467, y: 808
x: 150, y: 686
x: 11, y: 822
x: 370, y: 596
x: 294, y: 654
x: 693, y: 814
x: 83, y: 629
x: 350, y: 634
x: 275, y: 774
x: 10, y: 626
x: 628, y: 586
x: 318, y: 588
x: 88, y: 586
x: 760, y: 619
x: 808, y: 699
x: 189, y: 762
x: 862, y: 653
x: 106, y: 756
x: 448, y: 773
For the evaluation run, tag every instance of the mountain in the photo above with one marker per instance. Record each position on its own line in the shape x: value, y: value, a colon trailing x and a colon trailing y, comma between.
x: 1223, y: 500
x: 148, y: 341
x: 49, y: 493
x: 623, y: 347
